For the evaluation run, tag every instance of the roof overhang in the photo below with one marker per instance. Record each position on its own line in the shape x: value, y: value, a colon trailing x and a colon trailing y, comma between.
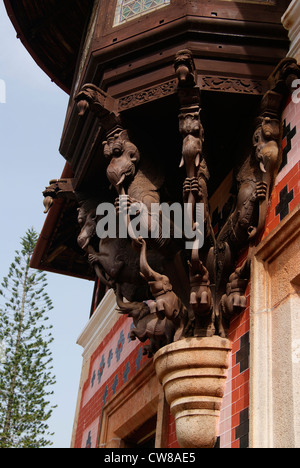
x: 52, y: 32
x: 56, y: 250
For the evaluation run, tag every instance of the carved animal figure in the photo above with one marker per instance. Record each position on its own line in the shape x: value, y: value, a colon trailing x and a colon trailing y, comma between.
x: 195, y: 184
x: 87, y: 220
x: 147, y: 325
x: 255, y: 180
x: 234, y: 301
x: 201, y: 299
x: 130, y: 174
x: 192, y: 131
x: 138, y: 179
x: 114, y: 260
x: 135, y: 310
x: 167, y: 303
x: 185, y: 68
x: 200, y: 295
x: 58, y: 188
x: 121, y: 263
x: 266, y: 141
x: 123, y: 156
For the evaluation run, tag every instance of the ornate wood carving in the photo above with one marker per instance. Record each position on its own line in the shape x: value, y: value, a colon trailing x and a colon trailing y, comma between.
x: 150, y: 94
x: 206, y: 83
x: 229, y: 84
x: 58, y: 188
x: 144, y: 270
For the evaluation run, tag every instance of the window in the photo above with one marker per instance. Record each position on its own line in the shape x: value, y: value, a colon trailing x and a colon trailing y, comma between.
x: 137, y: 416
x: 129, y: 9
x: 144, y: 436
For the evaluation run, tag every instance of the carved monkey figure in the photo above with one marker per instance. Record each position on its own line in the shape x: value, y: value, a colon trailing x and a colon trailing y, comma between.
x: 87, y: 221
x: 114, y: 260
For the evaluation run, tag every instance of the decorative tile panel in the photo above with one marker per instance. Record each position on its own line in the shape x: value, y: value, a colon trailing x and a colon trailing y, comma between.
x: 242, y: 431
x: 288, y: 135
x: 109, y: 358
x: 130, y: 9
x: 89, y: 437
x: 285, y: 198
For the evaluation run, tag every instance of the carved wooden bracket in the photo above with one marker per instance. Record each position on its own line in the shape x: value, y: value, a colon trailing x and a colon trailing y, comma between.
x: 58, y: 188
x: 100, y: 103
x: 213, y: 272
x: 145, y: 272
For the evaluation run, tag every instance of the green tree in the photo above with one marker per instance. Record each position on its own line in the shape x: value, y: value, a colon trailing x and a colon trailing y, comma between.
x: 25, y: 358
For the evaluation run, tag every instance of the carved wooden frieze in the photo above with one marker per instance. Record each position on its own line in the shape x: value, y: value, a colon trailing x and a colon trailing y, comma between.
x: 206, y: 83
x: 150, y: 94
x: 227, y: 84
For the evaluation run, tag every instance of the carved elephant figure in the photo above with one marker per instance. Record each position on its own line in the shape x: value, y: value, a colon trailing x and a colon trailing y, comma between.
x: 200, y: 294
x: 159, y: 332
x: 147, y: 325
x: 123, y: 156
x: 192, y: 131
x: 135, y: 310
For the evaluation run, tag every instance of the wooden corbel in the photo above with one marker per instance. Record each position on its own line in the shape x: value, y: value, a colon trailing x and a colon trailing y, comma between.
x: 58, y: 188
x: 104, y: 106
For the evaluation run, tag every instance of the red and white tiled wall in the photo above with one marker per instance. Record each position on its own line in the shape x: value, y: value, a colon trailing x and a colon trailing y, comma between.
x: 286, y: 194
x: 234, y: 425
x: 115, y: 361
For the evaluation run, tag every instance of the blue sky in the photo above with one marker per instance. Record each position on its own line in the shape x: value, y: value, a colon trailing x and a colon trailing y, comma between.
x: 31, y: 124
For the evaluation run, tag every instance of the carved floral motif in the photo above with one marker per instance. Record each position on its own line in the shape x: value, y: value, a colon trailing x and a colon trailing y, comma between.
x: 147, y: 95
x: 231, y: 85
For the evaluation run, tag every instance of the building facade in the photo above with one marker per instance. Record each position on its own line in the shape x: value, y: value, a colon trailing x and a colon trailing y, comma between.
x: 259, y: 408
x: 140, y: 65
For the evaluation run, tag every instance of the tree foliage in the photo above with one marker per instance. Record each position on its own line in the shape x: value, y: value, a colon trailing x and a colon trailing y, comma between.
x: 25, y: 359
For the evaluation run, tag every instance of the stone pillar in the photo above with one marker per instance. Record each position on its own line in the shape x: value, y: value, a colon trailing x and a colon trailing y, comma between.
x: 291, y: 21
x: 193, y: 374
x: 275, y: 338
